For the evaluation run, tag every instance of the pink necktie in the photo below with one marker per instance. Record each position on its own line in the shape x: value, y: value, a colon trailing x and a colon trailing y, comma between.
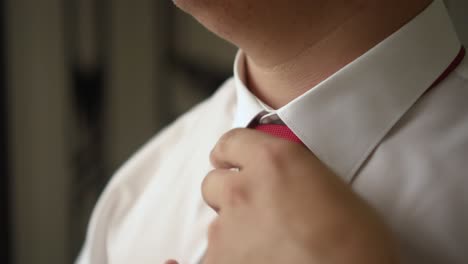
x: 277, y: 130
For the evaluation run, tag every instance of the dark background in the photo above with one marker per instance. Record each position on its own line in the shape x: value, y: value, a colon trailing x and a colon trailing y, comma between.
x: 4, y: 195
x: 83, y: 85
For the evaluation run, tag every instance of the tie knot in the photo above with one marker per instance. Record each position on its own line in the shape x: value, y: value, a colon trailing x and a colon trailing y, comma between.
x: 278, y: 130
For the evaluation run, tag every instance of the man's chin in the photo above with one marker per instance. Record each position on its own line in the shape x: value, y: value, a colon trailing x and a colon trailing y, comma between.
x: 182, y: 4
x: 190, y: 5
x: 212, y: 15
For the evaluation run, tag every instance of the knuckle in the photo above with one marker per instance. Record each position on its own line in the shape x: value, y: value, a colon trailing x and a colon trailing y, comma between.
x: 223, y: 143
x: 284, y: 151
x: 277, y: 158
x: 229, y: 189
x: 273, y: 153
x: 213, y: 231
x: 205, y: 186
x: 234, y: 193
x: 213, y: 156
x: 228, y: 136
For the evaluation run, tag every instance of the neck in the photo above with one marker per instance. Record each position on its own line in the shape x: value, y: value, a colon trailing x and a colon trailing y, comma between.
x: 280, y: 72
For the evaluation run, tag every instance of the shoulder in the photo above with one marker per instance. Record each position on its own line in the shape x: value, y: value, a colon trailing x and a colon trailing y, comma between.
x: 205, y: 115
x: 176, y: 154
x: 417, y: 176
x: 439, y: 118
x: 194, y: 126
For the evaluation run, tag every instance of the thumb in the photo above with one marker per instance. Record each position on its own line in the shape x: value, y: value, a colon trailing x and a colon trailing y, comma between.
x: 171, y: 261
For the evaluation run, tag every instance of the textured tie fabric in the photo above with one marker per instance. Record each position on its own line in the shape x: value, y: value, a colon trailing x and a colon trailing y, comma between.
x: 277, y: 130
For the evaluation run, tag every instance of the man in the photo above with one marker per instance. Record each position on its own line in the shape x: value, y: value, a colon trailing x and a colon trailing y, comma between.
x: 375, y: 90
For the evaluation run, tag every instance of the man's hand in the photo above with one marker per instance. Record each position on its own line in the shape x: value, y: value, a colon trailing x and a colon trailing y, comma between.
x: 278, y: 204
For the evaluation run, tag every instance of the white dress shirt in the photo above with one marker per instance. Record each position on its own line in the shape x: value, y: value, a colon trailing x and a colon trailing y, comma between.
x: 400, y: 146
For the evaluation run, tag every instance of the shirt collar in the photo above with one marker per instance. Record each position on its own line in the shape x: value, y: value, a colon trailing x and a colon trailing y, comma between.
x: 342, y: 119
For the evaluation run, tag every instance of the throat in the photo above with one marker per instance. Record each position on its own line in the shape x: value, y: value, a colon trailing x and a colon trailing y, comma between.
x: 276, y: 88
x: 278, y: 84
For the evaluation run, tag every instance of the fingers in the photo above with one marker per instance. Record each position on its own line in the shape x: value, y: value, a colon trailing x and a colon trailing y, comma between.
x: 220, y: 187
x: 171, y: 261
x: 238, y: 147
